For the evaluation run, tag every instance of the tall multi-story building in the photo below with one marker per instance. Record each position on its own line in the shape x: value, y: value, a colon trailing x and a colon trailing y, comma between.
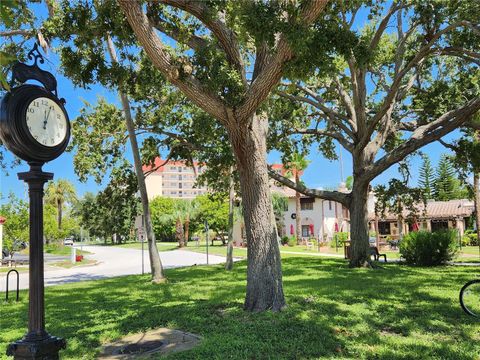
x: 174, y: 179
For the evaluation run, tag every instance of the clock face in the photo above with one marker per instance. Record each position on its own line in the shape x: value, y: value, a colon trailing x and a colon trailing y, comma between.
x: 46, y: 121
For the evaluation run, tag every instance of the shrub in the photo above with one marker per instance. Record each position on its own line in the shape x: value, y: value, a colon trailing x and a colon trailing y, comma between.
x: 284, y: 240
x: 339, y: 238
x: 292, y: 241
x: 429, y: 249
x: 470, y: 238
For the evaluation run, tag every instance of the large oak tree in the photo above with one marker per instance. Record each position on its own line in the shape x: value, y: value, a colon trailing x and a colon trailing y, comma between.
x: 408, y: 78
x: 224, y: 42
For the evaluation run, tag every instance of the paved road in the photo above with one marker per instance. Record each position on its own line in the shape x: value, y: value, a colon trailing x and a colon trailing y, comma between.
x: 113, y: 262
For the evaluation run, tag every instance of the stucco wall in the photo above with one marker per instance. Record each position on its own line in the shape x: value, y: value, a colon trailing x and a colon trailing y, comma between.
x: 154, y: 185
x: 322, y: 210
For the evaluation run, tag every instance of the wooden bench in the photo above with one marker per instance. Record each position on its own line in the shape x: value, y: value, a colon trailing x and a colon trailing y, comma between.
x: 376, y: 255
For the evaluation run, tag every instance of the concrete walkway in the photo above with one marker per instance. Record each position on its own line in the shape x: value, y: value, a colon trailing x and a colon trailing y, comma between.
x: 112, y: 262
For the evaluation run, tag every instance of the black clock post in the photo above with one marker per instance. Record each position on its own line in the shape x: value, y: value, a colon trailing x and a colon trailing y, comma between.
x: 37, y: 343
x: 34, y: 126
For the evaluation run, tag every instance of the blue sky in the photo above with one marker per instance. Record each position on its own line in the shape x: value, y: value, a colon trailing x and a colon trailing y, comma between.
x: 320, y: 173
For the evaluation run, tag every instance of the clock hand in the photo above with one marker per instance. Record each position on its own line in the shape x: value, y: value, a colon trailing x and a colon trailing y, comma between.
x: 46, y: 119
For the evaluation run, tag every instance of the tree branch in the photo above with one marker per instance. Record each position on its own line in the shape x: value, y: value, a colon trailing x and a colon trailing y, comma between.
x: 426, y: 134
x: 421, y: 54
x: 155, y: 49
x: 383, y: 24
x: 273, y: 70
x: 324, y: 132
x: 225, y: 36
x: 343, y: 198
x: 332, y: 117
x: 194, y: 42
x: 347, y: 102
x: 448, y: 146
x: 22, y: 32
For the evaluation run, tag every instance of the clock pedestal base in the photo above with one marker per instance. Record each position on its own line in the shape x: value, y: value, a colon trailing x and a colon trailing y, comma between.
x: 45, y: 348
x: 37, y: 344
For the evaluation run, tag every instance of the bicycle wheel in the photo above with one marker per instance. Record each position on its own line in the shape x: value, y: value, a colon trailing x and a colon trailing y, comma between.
x: 470, y: 298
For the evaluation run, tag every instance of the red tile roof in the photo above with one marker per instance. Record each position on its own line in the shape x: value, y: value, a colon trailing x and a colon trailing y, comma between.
x: 439, y: 210
x: 160, y: 163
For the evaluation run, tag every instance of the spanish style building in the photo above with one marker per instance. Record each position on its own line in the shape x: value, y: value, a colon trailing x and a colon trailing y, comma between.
x: 320, y: 219
x: 438, y: 215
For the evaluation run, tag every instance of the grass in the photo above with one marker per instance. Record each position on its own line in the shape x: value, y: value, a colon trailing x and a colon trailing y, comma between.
x: 20, y: 269
x: 55, y: 249
x: 216, y: 249
x: 468, y: 253
x: 162, y: 246
x: 397, y: 312
x: 470, y: 250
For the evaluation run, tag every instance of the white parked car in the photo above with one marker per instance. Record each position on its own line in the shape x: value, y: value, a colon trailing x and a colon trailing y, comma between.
x: 68, y: 242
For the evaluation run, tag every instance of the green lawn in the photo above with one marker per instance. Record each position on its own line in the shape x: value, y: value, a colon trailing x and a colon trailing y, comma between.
x: 20, y: 269
x: 468, y: 253
x: 57, y: 249
x: 62, y: 250
x: 470, y: 250
x: 397, y: 312
x: 166, y: 246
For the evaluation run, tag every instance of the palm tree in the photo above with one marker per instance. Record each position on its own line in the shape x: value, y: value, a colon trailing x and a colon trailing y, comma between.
x: 190, y: 210
x: 295, y: 166
x: 183, y: 212
x: 58, y: 193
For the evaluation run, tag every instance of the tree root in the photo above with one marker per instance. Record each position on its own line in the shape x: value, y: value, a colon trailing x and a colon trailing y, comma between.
x: 159, y: 281
x: 369, y: 264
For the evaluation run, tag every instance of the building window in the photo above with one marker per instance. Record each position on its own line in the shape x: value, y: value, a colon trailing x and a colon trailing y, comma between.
x: 384, y: 228
x: 305, y: 230
x: 179, y: 185
x: 306, y: 206
x: 329, y: 205
x: 306, y: 203
x: 438, y: 225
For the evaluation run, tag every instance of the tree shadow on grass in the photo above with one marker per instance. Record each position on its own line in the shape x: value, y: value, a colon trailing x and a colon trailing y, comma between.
x: 333, y: 312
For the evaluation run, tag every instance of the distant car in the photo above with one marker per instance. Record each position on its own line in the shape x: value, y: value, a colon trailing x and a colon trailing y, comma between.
x: 4, y: 253
x: 68, y: 242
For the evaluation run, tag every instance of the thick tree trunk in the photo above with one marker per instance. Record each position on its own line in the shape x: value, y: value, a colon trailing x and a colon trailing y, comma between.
x: 155, y: 263
x: 264, y: 272
x: 359, y: 225
x: 231, y: 198
x: 476, y: 189
x: 298, y: 208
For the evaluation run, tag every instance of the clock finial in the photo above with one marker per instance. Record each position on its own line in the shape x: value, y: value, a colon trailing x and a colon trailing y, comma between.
x: 22, y: 72
x: 35, y: 55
